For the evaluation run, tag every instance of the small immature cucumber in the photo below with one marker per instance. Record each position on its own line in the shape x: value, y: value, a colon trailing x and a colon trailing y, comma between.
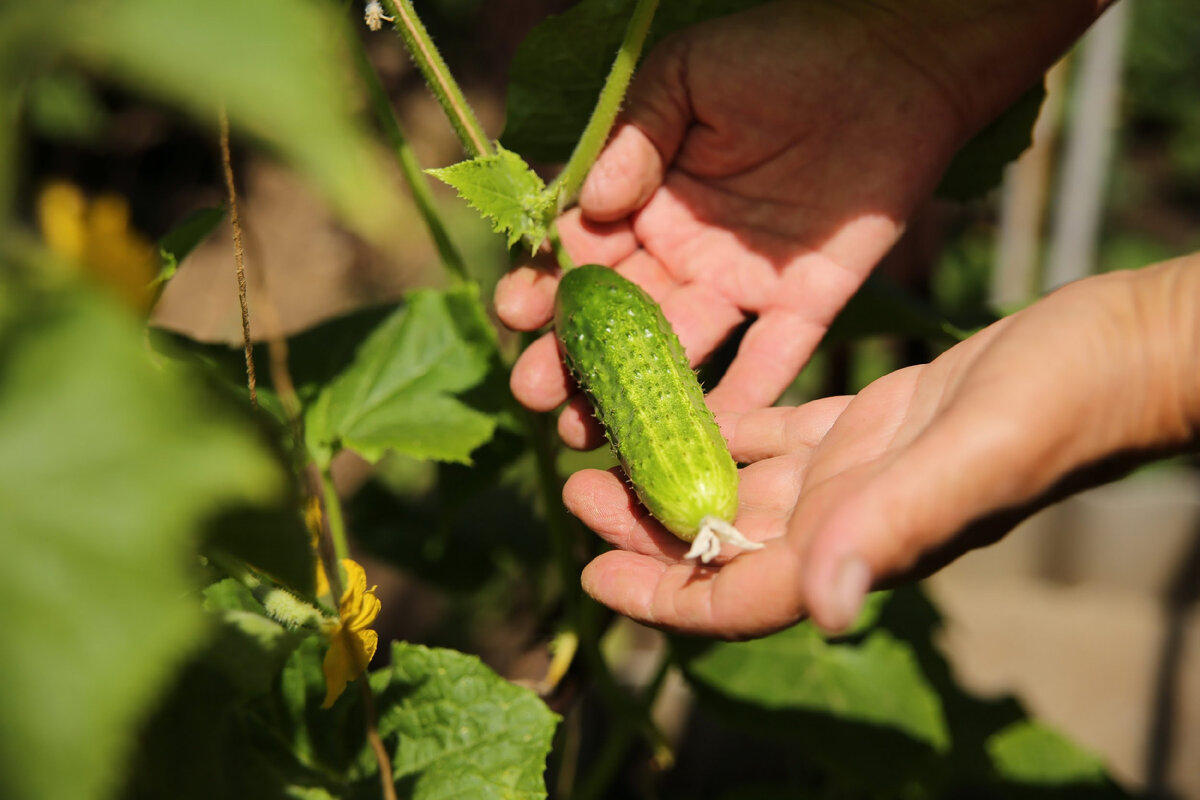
x: 623, y: 353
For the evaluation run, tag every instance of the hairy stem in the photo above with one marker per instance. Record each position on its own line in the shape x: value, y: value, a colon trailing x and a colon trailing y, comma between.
x: 570, y: 180
x: 239, y: 257
x: 427, y: 58
x: 560, y: 253
x: 409, y: 167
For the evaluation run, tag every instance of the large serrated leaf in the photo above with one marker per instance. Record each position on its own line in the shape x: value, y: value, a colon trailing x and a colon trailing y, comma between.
x: 559, y: 68
x: 457, y: 729
x: 876, y: 681
x: 109, y: 471
x: 400, y: 390
x: 507, y: 192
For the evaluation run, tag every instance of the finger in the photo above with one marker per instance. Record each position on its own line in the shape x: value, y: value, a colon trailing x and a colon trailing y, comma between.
x: 603, y: 501
x: 770, y: 486
x: 769, y: 358
x: 577, y: 425
x: 539, y: 380
x: 656, y: 117
x: 754, y: 594
x: 591, y: 242
x: 770, y: 432
x: 525, y: 297
x: 958, y: 471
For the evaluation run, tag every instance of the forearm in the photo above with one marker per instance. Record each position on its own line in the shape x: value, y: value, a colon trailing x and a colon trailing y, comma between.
x: 985, y: 53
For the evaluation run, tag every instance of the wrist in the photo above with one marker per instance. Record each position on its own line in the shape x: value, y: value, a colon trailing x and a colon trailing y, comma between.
x: 984, y: 54
x: 1169, y: 300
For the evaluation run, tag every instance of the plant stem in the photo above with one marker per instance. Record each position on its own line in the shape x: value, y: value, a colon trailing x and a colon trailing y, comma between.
x: 427, y: 58
x: 570, y: 180
x: 385, y: 115
x: 337, y: 524
x: 239, y: 257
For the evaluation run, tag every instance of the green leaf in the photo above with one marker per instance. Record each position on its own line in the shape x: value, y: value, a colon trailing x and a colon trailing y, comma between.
x: 278, y: 67
x: 876, y: 681
x: 457, y: 729
x: 109, y: 471
x: 399, y: 390
x: 1028, y: 752
x: 506, y: 191
x: 453, y: 727
x: 979, y: 165
x: 181, y: 240
x: 556, y: 75
x: 272, y: 540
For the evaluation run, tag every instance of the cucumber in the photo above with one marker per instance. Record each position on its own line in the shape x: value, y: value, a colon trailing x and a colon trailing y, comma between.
x: 624, y: 355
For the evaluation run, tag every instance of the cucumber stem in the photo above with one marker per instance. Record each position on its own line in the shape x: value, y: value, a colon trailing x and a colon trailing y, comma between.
x: 429, y: 61
x: 595, y: 135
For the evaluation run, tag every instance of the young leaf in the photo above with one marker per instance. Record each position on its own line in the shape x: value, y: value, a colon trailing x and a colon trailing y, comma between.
x: 400, y: 389
x: 506, y: 191
x: 109, y: 470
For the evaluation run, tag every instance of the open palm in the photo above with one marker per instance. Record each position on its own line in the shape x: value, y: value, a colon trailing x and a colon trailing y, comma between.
x: 765, y: 163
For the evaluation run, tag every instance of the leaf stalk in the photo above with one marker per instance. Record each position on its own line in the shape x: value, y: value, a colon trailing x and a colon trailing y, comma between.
x: 429, y: 61
x: 595, y: 135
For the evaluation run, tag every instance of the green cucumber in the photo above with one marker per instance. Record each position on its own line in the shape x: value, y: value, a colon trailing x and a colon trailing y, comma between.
x: 624, y: 355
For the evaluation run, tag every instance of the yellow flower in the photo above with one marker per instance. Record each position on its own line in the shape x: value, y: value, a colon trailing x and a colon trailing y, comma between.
x: 351, y: 644
x: 96, y: 236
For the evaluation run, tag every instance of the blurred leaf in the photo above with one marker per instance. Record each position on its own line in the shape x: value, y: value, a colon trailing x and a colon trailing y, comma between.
x: 457, y: 729
x: 559, y: 68
x: 398, y: 391
x: 1030, y: 753
x: 181, y: 240
x: 278, y: 67
x: 979, y: 165
x: 876, y: 680
x: 108, y: 468
x: 62, y: 105
x: 505, y: 190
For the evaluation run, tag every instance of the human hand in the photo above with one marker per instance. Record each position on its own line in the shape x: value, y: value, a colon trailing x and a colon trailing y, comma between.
x: 925, y: 463
x: 766, y: 161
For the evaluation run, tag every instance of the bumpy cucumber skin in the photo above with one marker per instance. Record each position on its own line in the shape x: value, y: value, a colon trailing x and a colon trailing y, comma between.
x: 623, y: 353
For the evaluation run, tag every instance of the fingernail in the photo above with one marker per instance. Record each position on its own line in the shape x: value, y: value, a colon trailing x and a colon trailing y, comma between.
x: 847, y: 591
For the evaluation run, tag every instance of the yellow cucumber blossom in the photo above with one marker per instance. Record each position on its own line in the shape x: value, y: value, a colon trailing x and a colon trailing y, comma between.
x: 96, y: 236
x: 351, y: 643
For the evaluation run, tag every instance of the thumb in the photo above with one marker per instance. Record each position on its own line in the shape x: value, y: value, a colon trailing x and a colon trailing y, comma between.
x: 956, y: 483
x: 650, y: 130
